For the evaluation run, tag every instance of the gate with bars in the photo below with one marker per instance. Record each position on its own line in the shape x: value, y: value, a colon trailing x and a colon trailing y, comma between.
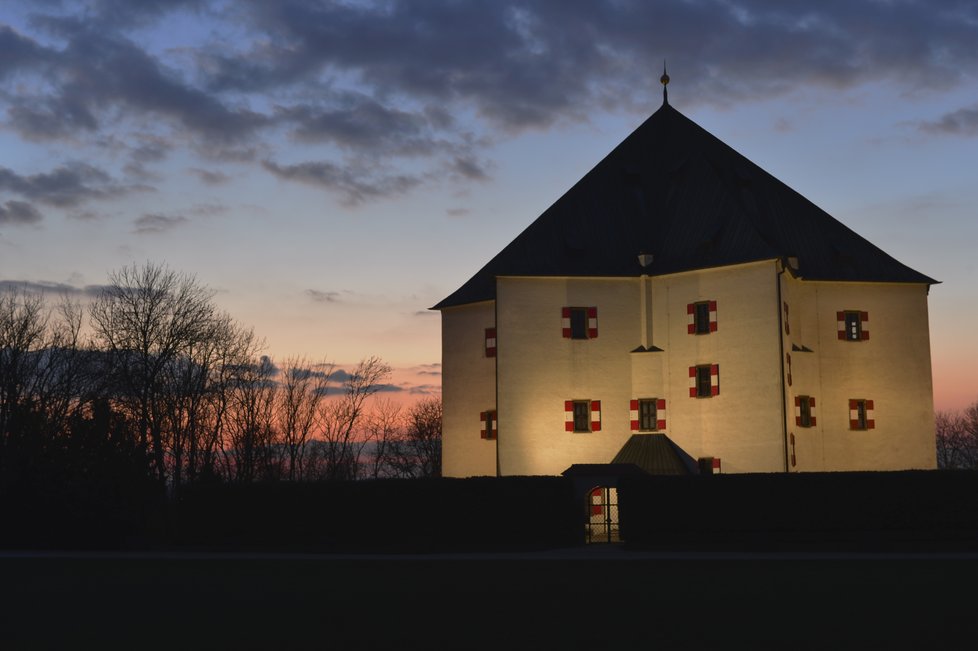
x: 602, y: 523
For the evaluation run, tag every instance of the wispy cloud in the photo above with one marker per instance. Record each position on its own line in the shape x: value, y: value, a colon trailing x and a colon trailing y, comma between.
x: 49, y: 287
x: 323, y: 297
x: 152, y: 224
x: 210, y: 177
x: 354, y: 184
x: 962, y: 122
x: 66, y: 186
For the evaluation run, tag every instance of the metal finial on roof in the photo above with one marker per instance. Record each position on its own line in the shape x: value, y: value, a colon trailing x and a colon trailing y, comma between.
x: 665, y: 82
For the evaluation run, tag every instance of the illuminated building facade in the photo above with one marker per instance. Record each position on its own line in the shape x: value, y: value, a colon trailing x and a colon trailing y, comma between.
x: 679, y: 289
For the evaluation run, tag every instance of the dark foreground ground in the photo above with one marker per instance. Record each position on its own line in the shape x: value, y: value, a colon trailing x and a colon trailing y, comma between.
x: 586, y: 598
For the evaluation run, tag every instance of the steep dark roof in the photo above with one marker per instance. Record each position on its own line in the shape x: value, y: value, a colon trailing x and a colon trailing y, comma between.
x: 674, y: 190
x: 656, y: 454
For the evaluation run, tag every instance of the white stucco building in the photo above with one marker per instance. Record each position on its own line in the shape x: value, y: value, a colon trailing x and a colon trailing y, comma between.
x: 679, y: 289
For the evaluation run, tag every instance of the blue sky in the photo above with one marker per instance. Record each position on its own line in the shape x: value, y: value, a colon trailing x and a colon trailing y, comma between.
x: 333, y: 169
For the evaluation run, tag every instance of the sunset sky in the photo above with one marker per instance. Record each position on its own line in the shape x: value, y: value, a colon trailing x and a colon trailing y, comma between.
x: 333, y: 169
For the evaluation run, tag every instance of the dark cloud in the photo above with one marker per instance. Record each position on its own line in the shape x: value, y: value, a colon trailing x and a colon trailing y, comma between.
x: 126, y: 13
x: 50, y: 118
x: 86, y: 215
x: 426, y: 313
x: 323, y: 297
x: 208, y: 209
x: 99, y: 74
x: 152, y: 224
x: 268, y: 365
x: 425, y: 389
x: 19, y: 213
x: 210, y: 177
x: 18, y: 52
x: 150, y: 149
x: 116, y: 70
x: 457, y: 212
x: 963, y: 122
x: 361, y: 123
x: 43, y: 286
x: 354, y: 183
x: 373, y: 82
x: 469, y: 168
x: 526, y: 66
x: 306, y: 373
x: 66, y: 186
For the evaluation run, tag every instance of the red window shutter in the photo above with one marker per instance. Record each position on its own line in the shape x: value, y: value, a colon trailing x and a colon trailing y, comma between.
x: 692, y: 381
x: 482, y: 417
x: 870, y: 421
x: 660, y: 409
x: 595, y: 415
x: 798, y: 411
x: 691, y: 312
x: 565, y: 325
x: 490, y: 342
x: 787, y: 328
x: 853, y: 414
x: 633, y: 415
x: 811, y: 405
x: 592, y: 322
x: 715, y: 380
x: 596, y: 498
x: 713, y: 316
x: 840, y: 318
x: 864, y: 317
x: 569, y: 415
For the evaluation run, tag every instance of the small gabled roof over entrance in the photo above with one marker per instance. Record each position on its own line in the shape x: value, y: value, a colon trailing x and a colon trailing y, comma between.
x: 656, y: 454
x: 673, y: 190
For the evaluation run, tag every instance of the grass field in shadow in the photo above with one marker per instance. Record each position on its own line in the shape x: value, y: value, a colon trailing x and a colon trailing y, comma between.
x: 541, y: 601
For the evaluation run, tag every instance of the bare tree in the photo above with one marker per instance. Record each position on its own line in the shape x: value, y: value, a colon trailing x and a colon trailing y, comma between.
x: 23, y: 330
x: 957, y: 438
x: 384, y: 427
x: 146, y: 319
x: 417, y: 452
x: 44, y: 372
x: 300, y: 396
x: 342, y: 444
x: 68, y: 379
x: 250, y: 444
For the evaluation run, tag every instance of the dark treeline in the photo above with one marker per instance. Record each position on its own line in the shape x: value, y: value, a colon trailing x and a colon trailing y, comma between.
x: 152, y: 387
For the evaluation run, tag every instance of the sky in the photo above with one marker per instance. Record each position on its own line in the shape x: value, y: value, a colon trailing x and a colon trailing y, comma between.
x: 333, y: 169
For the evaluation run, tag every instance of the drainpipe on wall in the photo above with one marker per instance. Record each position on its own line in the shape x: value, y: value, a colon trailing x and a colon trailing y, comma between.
x: 784, y: 391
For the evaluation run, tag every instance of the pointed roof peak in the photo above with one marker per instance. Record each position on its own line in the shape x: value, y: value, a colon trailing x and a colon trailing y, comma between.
x: 665, y: 83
